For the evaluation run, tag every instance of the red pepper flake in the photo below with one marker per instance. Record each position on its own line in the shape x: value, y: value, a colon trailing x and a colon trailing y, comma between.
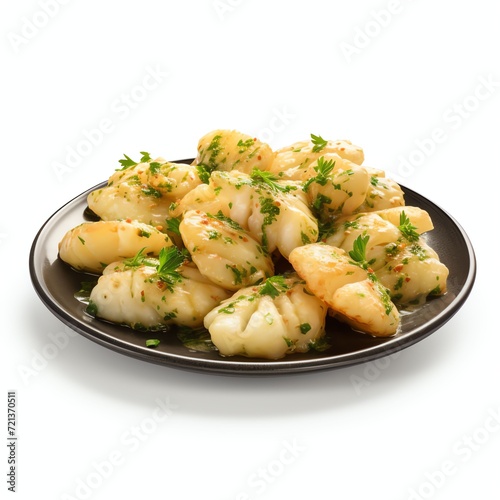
x: 407, y: 279
x: 259, y: 157
x: 398, y: 268
x: 128, y: 220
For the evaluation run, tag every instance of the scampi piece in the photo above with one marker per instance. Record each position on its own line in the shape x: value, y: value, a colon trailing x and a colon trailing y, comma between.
x: 396, y: 251
x: 351, y: 290
x: 227, y: 150
x: 143, y: 191
x: 274, y: 212
x: 270, y: 320
x: 335, y: 186
x: 146, y: 293
x: 91, y: 246
x: 292, y: 161
x: 223, y: 251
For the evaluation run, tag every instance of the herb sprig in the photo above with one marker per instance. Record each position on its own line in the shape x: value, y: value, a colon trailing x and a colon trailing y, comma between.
x: 274, y: 286
x: 170, y: 259
x: 128, y: 162
x: 408, y: 230
x: 358, y: 255
x: 270, y: 181
x: 139, y: 259
x: 319, y: 143
x: 323, y: 169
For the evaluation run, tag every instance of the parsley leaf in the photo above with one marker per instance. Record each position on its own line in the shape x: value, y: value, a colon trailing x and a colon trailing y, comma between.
x: 139, y: 259
x: 203, y: 173
x: 230, y: 222
x: 128, y: 162
x: 244, y: 145
x: 173, y: 225
x: 274, y: 286
x: 319, y: 143
x: 358, y: 252
x: 407, y: 229
x: 170, y: 259
x: 270, y: 181
x: 154, y: 167
x: 323, y: 169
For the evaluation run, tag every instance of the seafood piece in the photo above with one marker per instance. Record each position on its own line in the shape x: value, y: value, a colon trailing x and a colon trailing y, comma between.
x: 291, y: 162
x: 91, y: 246
x: 150, y: 294
x: 271, y: 320
x: 345, y: 283
x: 335, y: 186
x: 223, y: 251
x: 231, y: 150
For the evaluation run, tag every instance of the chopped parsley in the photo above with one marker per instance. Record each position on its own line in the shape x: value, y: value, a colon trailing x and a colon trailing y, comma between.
x: 92, y: 308
x: 152, y: 342
x: 154, y: 167
x: 244, y: 145
x: 222, y: 218
x: 304, y: 328
x: 151, y: 191
x: 203, y: 173
x: 270, y: 210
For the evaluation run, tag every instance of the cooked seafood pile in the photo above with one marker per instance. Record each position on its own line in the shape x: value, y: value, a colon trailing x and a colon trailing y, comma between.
x: 199, y: 245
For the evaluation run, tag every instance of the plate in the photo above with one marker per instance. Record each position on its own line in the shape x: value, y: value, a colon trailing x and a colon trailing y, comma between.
x: 56, y: 284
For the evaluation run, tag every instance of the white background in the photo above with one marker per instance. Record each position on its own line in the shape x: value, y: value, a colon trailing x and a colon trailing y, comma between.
x: 279, y: 70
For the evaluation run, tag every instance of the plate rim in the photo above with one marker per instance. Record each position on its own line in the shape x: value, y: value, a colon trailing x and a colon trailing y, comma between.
x: 226, y: 366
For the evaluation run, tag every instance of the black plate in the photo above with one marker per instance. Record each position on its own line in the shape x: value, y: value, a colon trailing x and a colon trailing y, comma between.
x: 56, y: 284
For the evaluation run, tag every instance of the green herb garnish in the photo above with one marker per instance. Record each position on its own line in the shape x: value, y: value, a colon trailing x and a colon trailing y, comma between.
x: 222, y: 218
x: 319, y: 143
x: 173, y: 225
x: 358, y: 252
x: 139, y: 259
x: 407, y: 228
x: 323, y: 169
x: 170, y: 259
x: 274, y: 286
x: 128, y: 162
x: 304, y: 328
x: 270, y: 181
